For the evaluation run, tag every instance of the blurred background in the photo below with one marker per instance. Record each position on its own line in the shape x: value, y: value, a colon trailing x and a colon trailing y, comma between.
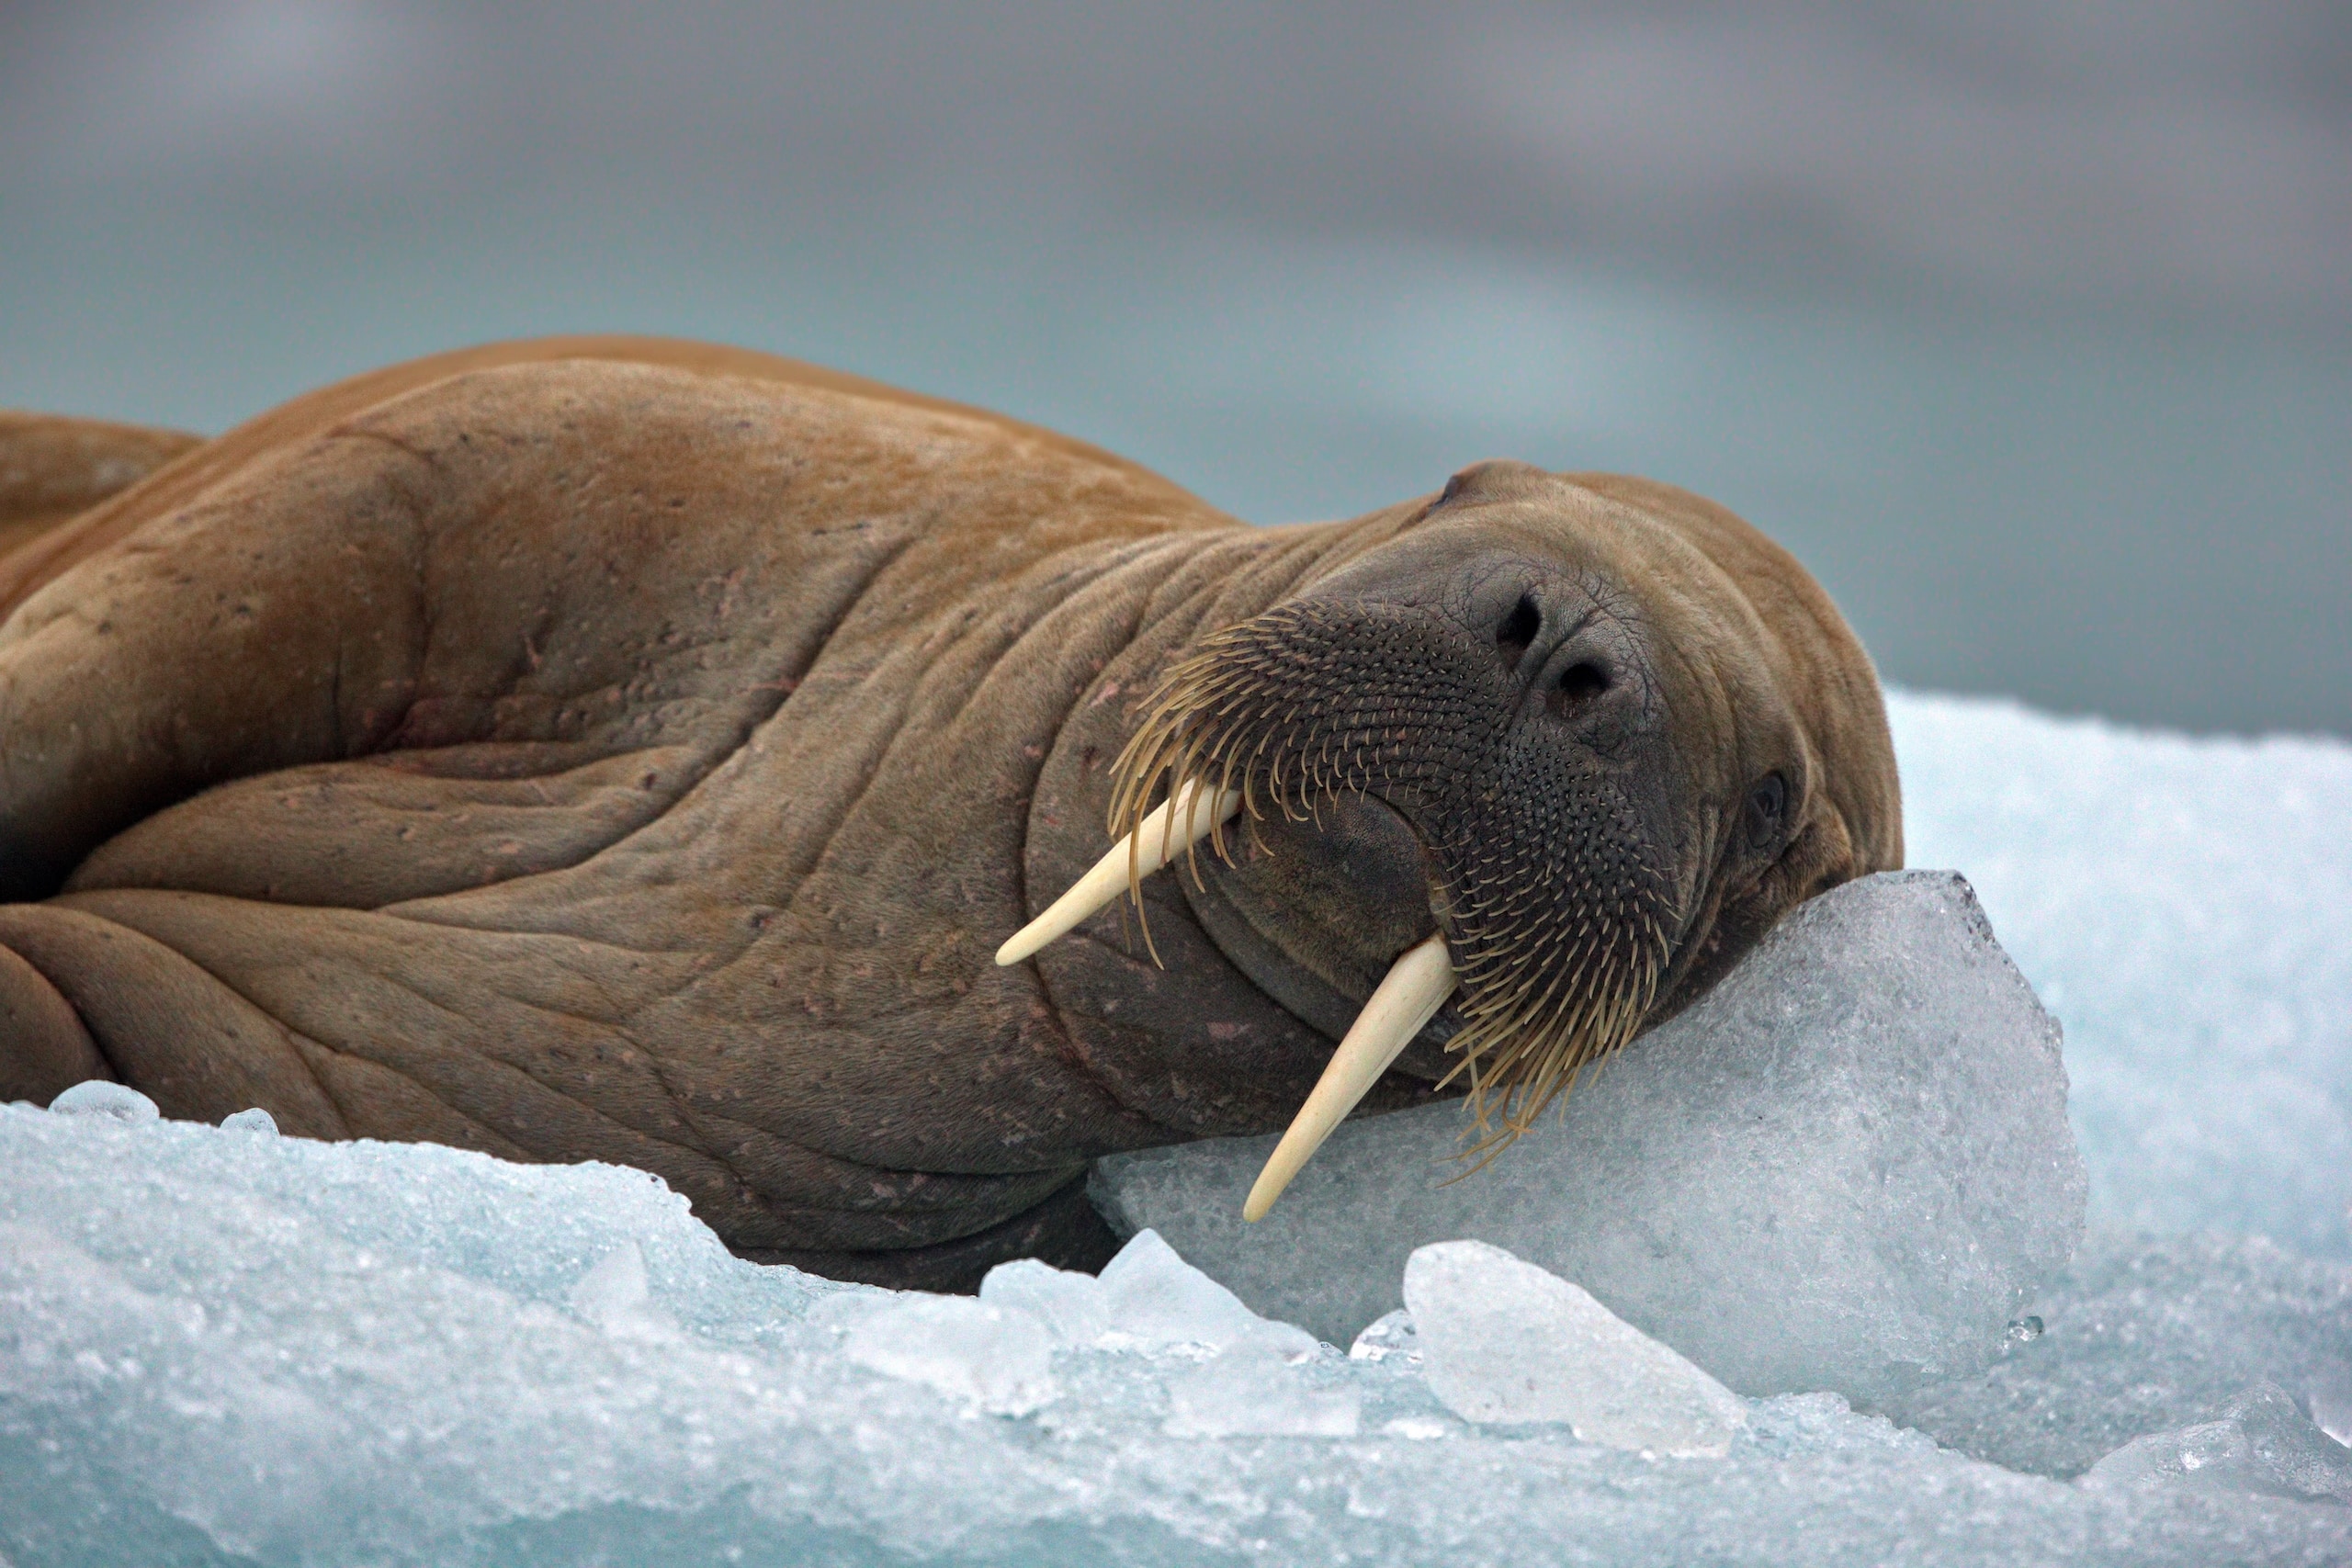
x: 2027, y: 326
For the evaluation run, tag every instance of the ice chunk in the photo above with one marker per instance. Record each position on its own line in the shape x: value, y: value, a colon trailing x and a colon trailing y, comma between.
x: 1504, y: 1341
x: 1848, y: 1168
x: 2144, y: 1335
x: 253, y: 1119
x: 1154, y: 1297
x: 995, y: 1360
x: 1389, y: 1338
x: 614, y: 1296
x: 1071, y: 1304
x: 2259, y: 1443
x: 103, y: 1097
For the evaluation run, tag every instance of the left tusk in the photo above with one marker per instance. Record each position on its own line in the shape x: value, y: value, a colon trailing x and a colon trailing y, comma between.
x: 1408, y: 997
x: 1174, y: 826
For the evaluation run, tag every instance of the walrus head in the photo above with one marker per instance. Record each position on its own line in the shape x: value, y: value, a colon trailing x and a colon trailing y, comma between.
x: 1558, y: 752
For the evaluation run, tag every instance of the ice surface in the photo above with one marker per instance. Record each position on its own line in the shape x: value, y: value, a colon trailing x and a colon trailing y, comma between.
x: 1849, y: 1168
x: 222, y: 1347
x: 217, y: 1347
x: 1155, y: 1297
x: 2146, y: 1334
x: 1258, y: 1388
x: 614, y: 1296
x: 1503, y: 1341
x: 1146, y: 1297
x: 2185, y: 907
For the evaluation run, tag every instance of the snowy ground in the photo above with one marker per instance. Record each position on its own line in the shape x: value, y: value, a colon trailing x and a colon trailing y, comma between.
x: 216, y: 1345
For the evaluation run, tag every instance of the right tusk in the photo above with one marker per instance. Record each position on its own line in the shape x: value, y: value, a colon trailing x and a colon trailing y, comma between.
x: 1159, y: 838
x: 1408, y: 997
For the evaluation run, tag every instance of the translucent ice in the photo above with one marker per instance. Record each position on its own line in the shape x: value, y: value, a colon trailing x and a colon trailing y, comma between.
x: 614, y: 1296
x: 1068, y: 1303
x: 1258, y: 1388
x: 1503, y: 1341
x: 1153, y: 1296
x: 1848, y: 1168
x: 1147, y: 1298
x: 253, y: 1119
x: 2259, y: 1442
x: 1239, y: 1373
x: 1390, y: 1337
x: 995, y: 1358
x: 217, y: 1347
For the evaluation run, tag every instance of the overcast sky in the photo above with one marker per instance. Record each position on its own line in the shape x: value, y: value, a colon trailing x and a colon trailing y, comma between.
x: 2028, y: 326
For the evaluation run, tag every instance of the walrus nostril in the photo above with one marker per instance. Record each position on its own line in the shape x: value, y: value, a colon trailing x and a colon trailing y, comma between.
x: 1580, y: 683
x: 1517, y: 633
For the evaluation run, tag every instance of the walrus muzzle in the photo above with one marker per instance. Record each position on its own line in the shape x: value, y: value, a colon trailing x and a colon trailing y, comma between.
x: 1511, y: 724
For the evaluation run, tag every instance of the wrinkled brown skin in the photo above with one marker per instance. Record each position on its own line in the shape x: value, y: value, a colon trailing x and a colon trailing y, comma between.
x: 623, y: 750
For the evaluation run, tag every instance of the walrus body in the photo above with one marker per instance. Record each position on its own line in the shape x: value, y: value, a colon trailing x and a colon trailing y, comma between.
x: 632, y: 751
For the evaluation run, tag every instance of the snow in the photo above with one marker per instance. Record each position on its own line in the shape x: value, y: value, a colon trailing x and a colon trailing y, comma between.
x: 1848, y: 1168
x: 218, y: 1345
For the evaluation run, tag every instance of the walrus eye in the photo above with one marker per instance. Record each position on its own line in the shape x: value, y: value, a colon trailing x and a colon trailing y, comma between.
x: 1767, y: 803
x: 1518, y: 631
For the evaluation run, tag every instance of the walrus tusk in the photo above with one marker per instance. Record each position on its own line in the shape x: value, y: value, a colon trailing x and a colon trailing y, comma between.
x: 1408, y: 997
x: 1133, y: 856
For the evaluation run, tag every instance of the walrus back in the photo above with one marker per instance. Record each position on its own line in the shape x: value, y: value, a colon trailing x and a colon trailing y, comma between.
x: 492, y: 760
x: 482, y: 561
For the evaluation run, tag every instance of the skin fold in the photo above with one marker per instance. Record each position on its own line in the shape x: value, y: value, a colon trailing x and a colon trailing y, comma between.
x: 615, y: 748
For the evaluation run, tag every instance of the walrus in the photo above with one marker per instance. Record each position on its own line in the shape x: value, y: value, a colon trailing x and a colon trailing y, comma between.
x: 626, y: 749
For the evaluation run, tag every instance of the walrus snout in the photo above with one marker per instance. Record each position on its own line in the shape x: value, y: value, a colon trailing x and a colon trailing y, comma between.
x: 1449, y: 763
x: 1570, y: 643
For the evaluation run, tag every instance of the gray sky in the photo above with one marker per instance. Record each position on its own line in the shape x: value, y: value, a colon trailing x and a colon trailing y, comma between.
x: 2029, y: 327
